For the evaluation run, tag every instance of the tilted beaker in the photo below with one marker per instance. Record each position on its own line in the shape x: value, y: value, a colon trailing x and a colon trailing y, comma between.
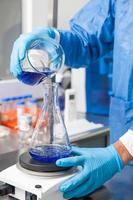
x: 44, y: 57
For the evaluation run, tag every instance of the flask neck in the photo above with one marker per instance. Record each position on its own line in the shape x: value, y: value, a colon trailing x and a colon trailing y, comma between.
x: 51, y: 93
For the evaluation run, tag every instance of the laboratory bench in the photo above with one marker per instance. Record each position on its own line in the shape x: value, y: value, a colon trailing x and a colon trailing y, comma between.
x: 92, y: 138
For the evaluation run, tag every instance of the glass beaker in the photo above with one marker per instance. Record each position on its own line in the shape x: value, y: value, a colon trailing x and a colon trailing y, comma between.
x: 50, y: 140
x: 44, y: 57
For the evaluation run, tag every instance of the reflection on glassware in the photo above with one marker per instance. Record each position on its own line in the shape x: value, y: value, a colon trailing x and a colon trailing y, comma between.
x: 44, y: 57
x: 50, y: 139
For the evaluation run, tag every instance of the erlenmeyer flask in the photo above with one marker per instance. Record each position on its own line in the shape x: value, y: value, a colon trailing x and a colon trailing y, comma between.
x: 50, y: 140
x: 44, y: 57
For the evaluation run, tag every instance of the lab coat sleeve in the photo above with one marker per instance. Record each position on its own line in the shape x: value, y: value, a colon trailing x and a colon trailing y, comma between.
x: 127, y: 141
x: 91, y: 35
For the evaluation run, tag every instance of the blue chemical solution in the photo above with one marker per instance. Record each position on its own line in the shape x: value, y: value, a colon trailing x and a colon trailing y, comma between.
x: 34, y: 78
x: 49, y: 153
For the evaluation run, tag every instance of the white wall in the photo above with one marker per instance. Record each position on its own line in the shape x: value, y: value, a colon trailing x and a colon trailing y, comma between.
x: 36, y: 13
x: 13, y: 87
x: 66, y: 9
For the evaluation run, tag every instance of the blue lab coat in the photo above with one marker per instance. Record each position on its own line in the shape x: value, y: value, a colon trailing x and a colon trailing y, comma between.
x: 100, y: 27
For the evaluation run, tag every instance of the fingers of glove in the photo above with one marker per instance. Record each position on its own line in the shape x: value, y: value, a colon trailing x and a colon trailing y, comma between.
x: 82, y: 190
x: 18, y: 52
x: 47, y: 31
x: 24, y: 42
x: 75, y: 181
x: 77, y: 151
x: 26, y: 39
x: 86, y: 188
x: 70, y: 162
x: 15, y: 67
x: 84, y: 151
x: 21, y: 45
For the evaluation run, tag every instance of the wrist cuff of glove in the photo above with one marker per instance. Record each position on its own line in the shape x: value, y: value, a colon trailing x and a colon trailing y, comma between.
x: 117, y: 157
x: 127, y: 141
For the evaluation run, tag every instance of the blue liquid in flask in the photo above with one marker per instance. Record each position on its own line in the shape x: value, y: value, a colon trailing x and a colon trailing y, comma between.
x: 49, y: 153
x: 34, y: 78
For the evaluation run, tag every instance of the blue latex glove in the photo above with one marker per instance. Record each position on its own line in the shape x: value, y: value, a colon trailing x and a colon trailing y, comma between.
x: 21, y: 44
x: 98, y: 166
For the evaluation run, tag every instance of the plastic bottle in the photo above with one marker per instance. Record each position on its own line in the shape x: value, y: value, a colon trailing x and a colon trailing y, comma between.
x: 27, y: 98
x: 24, y: 131
x: 20, y: 111
x: 4, y: 110
x: 33, y: 105
x: 11, y: 113
x: 13, y: 103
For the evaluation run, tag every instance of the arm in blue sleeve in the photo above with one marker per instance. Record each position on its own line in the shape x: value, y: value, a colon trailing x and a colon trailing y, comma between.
x: 76, y: 54
x: 91, y: 35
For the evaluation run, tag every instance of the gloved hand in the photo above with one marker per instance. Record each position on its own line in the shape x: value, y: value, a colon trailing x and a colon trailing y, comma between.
x: 98, y: 166
x: 21, y: 44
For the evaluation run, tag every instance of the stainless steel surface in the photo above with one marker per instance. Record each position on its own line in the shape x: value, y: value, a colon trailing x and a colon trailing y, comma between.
x: 9, y: 143
x: 100, y: 132
x: 8, y: 150
x: 90, y: 134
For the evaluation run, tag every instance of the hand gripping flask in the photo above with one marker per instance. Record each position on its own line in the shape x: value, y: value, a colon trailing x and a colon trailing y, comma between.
x: 44, y: 57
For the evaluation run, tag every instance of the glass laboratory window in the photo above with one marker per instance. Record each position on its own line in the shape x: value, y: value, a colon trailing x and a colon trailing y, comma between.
x: 10, y: 29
